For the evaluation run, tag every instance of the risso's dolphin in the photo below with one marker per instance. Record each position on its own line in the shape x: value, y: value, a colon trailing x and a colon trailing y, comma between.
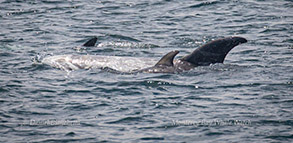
x: 210, y: 53
x: 91, y: 42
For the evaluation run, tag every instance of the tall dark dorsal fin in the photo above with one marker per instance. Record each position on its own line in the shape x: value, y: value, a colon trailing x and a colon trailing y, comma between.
x: 214, y: 51
x: 167, y: 60
x: 91, y: 42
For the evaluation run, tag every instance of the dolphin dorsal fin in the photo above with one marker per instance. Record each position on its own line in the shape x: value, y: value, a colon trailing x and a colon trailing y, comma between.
x: 214, y: 51
x: 167, y: 60
x: 91, y: 42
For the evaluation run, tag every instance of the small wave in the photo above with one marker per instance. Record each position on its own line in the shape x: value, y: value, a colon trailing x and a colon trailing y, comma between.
x: 121, y: 37
x: 204, y: 4
x: 151, y: 138
x: 125, y: 120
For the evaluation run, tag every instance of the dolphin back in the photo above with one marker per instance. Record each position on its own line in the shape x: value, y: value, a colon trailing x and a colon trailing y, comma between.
x: 213, y: 52
x: 91, y: 42
x: 165, y: 64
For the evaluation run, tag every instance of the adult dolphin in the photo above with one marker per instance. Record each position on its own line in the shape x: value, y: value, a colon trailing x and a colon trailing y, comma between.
x: 210, y: 53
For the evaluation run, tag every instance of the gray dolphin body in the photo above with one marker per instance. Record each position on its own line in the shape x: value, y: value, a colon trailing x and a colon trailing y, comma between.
x: 210, y: 53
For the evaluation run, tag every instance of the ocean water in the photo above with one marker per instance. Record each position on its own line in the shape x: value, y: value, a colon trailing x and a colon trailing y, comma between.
x: 249, y: 98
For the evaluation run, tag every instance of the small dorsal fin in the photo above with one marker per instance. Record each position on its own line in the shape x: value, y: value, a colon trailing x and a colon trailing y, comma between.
x: 167, y: 60
x: 91, y: 42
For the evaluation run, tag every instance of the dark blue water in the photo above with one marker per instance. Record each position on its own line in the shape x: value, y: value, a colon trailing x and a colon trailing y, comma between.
x: 249, y: 98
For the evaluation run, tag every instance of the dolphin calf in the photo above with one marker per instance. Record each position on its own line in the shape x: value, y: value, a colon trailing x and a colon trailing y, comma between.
x: 212, y: 52
x: 165, y: 64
